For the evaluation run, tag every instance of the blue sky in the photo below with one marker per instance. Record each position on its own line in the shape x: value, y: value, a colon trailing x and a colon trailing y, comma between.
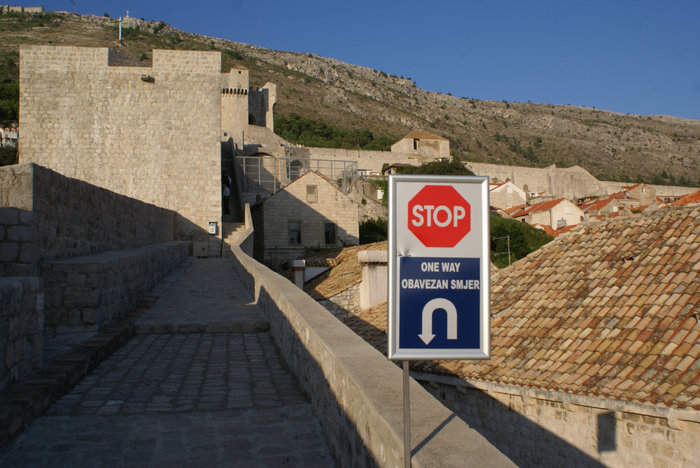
x: 639, y: 57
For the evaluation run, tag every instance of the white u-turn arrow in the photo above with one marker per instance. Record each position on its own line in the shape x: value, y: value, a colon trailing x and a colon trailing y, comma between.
x: 438, y: 303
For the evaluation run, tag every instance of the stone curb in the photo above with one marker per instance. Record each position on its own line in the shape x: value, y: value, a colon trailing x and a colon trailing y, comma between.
x: 22, y: 402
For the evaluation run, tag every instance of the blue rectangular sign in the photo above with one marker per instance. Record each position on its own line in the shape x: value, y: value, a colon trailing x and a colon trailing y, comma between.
x: 439, y: 299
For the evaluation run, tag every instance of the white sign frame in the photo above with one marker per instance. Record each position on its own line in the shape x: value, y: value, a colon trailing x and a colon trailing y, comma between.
x: 404, y: 244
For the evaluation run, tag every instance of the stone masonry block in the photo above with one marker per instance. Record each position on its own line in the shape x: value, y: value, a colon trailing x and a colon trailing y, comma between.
x: 8, y: 251
x: 26, y: 217
x: 29, y: 253
x: 20, y: 234
x: 76, y: 279
x: 81, y: 297
x: 9, y: 216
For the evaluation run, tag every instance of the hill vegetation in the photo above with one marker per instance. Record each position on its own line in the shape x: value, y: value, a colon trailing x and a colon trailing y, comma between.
x: 352, y: 98
x: 316, y: 132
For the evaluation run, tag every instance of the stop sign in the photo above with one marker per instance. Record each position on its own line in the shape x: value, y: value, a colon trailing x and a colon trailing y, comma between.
x: 439, y: 216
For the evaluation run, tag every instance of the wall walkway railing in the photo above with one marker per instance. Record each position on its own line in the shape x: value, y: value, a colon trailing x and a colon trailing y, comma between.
x: 270, y: 174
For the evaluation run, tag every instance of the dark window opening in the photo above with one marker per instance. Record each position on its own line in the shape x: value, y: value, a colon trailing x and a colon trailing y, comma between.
x: 294, y: 232
x: 329, y: 231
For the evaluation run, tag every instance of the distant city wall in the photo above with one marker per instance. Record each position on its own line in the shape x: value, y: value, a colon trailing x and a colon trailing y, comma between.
x: 368, y: 160
x: 149, y: 133
x: 571, y: 182
x: 20, y: 9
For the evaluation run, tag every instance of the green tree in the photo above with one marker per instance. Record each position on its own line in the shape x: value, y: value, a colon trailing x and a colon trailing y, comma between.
x: 373, y: 230
x: 8, y: 155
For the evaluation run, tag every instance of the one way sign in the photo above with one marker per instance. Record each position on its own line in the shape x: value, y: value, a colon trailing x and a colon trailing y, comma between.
x: 438, y: 267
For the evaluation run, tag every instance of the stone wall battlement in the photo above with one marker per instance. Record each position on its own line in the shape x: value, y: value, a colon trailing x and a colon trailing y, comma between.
x: 69, y: 58
x: 234, y: 92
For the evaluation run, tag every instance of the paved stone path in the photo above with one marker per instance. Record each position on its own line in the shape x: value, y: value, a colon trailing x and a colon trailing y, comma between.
x: 183, y: 399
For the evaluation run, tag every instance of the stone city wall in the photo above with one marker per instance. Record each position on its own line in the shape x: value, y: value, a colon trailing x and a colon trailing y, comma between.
x: 571, y: 182
x: 53, y: 216
x: 370, y: 161
x: 536, y: 428
x: 18, y: 251
x: 147, y: 133
x: 21, y: 328
x: 83, y: 293
x: 361, y: 414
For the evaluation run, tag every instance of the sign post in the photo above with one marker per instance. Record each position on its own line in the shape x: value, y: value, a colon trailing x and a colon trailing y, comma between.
x: 438, y: 271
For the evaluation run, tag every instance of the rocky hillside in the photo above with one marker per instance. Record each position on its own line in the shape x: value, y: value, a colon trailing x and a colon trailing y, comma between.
x: 610, y: 145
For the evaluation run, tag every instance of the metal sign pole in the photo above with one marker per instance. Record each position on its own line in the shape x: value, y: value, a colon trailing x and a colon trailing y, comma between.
x: 406, y: 417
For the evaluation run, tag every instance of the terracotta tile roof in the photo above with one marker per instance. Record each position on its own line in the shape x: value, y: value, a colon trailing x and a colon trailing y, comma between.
x: 609, y: 310
x: 542, y: 206
x: 554, y: 232
x: 423, y: 135
x: 514, y: 209
x: 345, y: 271
x: 690, y: 198
x: 596, y: 204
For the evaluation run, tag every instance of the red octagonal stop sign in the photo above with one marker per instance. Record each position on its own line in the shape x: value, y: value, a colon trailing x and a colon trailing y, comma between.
x: 439, y: 216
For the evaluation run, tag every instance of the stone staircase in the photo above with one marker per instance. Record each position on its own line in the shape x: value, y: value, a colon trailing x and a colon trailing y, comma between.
x: 230, y: 233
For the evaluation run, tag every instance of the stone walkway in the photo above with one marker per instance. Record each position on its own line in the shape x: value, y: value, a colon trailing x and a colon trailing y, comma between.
x: 200, y: 398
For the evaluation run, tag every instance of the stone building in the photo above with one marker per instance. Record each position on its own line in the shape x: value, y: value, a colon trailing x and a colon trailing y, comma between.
x: 424, y: 144
x: 506, y: 194
x: 604, y: 207
x: 638, y: 195
x: 309, y: 212
x: 553, y: 213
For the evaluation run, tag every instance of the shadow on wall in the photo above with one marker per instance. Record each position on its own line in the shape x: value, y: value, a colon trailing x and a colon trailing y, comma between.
x: 298, y: 225
x: 340, y: 433
x: 524, y: 442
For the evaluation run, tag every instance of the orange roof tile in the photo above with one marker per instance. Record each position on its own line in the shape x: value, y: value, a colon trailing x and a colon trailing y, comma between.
x: 550, y: 330
x: 690, y: 198
x: 542, y: 206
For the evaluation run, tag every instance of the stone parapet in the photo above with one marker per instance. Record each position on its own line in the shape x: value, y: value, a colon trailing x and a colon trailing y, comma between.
x: 45, y: 215
x: 83, y: 293
x: 21, y: 328
x: 355, y: 391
